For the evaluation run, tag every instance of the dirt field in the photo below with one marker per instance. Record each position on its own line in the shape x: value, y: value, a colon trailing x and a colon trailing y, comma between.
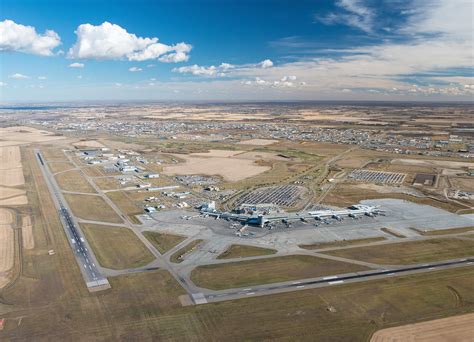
x: 7, y: 246
x: 88, y: 143
x: 10, y: 157
x: 163, y: 242
x: 229, y: 168
x: 444, y: 231
x: 18, y: 200
x: 116, y: 247
x: 27, y: 233
x: 257, y: 142
x: 73, y: 181
x: 270, y: 270
x: 10, y: 192
x: 243, y: 251
x: 92, y: 208
x: 452, y: 329
x: 12, y: 177
x: 26, y: 135
x: 125, y: 203
x: 410, y: 252
x: 433, y: 163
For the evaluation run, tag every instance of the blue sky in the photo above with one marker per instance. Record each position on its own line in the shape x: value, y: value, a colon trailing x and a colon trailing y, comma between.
x: 236, y: 50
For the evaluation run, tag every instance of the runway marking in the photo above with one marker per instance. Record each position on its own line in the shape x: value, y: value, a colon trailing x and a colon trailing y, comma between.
x: 391, y: 274
x: 296, y: 282
x: 246, y: 289
x: 431, y: 268
x: 336, y: 282
x: 300, y: 287
x: 250, y: 293
x: 332, y: 277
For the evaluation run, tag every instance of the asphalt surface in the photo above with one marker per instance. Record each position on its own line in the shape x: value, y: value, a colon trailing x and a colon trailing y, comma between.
x: 330, y: 281
x: 82, y: 252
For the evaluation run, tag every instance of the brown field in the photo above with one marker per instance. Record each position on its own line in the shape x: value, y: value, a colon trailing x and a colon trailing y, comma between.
x: 55, y: 154
x: 163, y: 242
x: 25, y: 134
x: 18, y: 200
x: 462, y: 183
x: 10, y: 192
x: 28, y: 238
x: 243, y: 251
x: 95, y: 171
x: 10, y: 157
x: 88, y: 143
x: 269, y: 270
x: 352, y: 163
x: 229, y: 168
x: 73, y: 181
x: 108, y: 183
x: 410, y: 252
x: 434, y: 163
x: 60, y: 166
x: 125, y: 203
x: 7, y: 245
x: 258, y: 142
x: 12, y: 177
x: 116, y: 247
x: 94, y: 208
x: 342, y: 243
x: 453, y: 329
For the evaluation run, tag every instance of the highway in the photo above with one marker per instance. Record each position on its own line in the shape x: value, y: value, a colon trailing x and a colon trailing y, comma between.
x: 260, y: 290
x: 82, y: 252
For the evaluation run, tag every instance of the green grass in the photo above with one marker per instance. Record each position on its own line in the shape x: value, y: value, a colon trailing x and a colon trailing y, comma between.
x: 410, y: 252
x: 163, y: 242
x: 269, y: 270
x: 243, y: 251
x: 178, y: 256
x: 116, y: 247
x: 342, y: 243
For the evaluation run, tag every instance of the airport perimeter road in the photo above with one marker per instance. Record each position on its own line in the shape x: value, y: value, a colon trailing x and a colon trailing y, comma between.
x: 82, y: 252
x: 208, y: 296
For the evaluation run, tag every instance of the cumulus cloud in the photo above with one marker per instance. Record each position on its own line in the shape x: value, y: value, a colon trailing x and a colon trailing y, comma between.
x: 266, y: 64
x: 284, y: 82
x: 76, y: 65
x: 110, y: 41
x: 135, y: 69
x: 210, y: 71
x: 18, y: 76
x: 21, y: 38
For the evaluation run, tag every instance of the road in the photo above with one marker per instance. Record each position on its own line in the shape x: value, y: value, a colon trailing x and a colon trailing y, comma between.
x: 82, y: 252
x: 260, y: 290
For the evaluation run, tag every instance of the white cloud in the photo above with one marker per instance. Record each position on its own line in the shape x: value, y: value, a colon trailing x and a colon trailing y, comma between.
x: 284, y: 82
x: 42, y: 77
x: 3, y: 84
x: 210, y: 71
x: 76, y: 65
x: 354, y: 13
x: 18, y: 76
x: 17, y: 37
x: 110, y: 41
x: 266, y: 64
x: 135, y: 69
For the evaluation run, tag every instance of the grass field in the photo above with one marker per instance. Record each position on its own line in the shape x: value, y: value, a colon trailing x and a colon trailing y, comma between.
x: 342, y: 243
x: 108, y: 183
x: 125, y: 204
x: 243, y: 251
x: 411, y: 252
x: 163, y: 242
x: 116, y: 247
x: 60, y: 166
x: 73, y: 181
x: 92, y: 208
x: 178, y: 256
x: 444, y: 231
x: 270, y: 270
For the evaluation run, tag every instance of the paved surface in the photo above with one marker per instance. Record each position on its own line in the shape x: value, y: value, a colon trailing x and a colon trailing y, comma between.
x: 83, y: 253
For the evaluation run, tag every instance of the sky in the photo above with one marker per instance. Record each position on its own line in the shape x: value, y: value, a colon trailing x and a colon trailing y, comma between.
x: 260, y: 50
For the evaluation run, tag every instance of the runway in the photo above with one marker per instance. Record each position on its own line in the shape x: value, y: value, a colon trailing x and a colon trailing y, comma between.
x: 84, y: 256
x: 260, y: 290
